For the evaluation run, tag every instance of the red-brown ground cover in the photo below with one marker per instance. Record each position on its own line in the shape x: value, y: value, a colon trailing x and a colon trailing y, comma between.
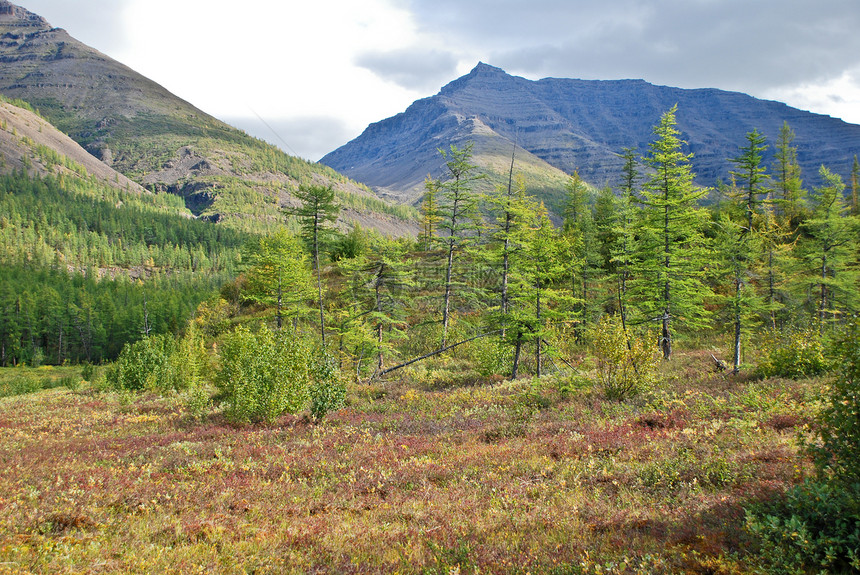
x: 404, y: 479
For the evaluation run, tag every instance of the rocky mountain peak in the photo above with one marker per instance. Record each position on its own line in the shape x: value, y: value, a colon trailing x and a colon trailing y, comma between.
x: 582, y: 125
x: 11, y: 14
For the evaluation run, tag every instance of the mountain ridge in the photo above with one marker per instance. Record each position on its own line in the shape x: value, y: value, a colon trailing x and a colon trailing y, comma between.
x: 582, y: 125
x: 162, y: 142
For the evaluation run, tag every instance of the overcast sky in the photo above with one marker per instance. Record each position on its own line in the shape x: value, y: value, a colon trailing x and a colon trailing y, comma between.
x: 310, y: 75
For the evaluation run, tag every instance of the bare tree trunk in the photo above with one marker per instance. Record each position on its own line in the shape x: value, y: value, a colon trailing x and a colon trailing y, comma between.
x: 517, y: 349
x: 433, y: 353
x: 447, y: 303
x: 736, y: 356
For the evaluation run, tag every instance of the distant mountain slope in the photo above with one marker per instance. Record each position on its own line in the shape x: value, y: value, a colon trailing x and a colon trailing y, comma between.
x: 157, y: 139
x: 578, y: 124
x: 30, y: 143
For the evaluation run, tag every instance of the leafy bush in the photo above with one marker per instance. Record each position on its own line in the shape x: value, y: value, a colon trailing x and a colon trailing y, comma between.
x: 814, y: 529
x: 626, y: 364
x: 263, y: 374
x: 328, y: 391
x: 837, y: 430
x: 492, y: 356
x: 141, y: 364
x: 795, y: 354
x: 160, y: 363
x: 19, y: 385
x: 88, y: 370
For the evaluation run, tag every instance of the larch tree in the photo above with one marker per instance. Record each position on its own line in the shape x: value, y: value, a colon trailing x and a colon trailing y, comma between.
x: 458, y: 216
x: 315, y: 214
x: 738, y: 237
x: 787, y: 178
x: 581, y: 242
x: 829, y: 250
x: 278, y: 275
x: 624, y: 248
x: 535, y: 273
x: 510, y: 209
x: 673, y: 252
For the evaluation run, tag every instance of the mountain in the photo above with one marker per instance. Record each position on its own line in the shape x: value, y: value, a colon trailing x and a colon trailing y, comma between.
x: 29, y: 142
x: 562, y: 125
x: 160, y: 141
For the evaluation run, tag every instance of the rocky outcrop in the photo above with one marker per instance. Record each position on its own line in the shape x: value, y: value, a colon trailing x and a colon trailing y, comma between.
x: 582, y: 125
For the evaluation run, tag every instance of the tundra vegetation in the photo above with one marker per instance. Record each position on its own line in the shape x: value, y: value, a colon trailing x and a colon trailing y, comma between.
x: 508, y: 392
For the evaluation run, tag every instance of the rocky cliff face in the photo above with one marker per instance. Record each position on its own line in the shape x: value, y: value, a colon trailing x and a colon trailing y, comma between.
x: 579, y: 124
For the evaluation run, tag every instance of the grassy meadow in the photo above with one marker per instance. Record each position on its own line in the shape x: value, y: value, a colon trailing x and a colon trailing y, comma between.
x: 414, y: 475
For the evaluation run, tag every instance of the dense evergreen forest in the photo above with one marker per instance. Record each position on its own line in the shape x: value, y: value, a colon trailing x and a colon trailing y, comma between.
x: 87, y: 268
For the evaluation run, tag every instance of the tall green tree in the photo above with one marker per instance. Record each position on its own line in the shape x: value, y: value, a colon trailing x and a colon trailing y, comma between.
x: 673, y: 251
x: 752, y: 176
x: 278, y: 275
x: 828, y: 249
x: 535, y: 298
x: 510, y: 209
x: 624, y: 249
x: 738, y: 237
x: 788, y: 183
x: 458, y: 212
x: 316, y: 213
x: 581, y: 240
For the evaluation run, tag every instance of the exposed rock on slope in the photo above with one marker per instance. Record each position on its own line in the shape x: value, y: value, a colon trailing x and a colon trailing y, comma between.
x: 158, y: 139
x: 579, y: 124
x: 27, y: 142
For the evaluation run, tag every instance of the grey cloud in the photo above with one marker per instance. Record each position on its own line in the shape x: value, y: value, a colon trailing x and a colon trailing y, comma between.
x: 307, y: 137
x: 414, y: 68
x: 731, y: 44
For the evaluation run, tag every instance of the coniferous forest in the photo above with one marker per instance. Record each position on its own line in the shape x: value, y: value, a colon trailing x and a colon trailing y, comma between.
x: 634, y: 368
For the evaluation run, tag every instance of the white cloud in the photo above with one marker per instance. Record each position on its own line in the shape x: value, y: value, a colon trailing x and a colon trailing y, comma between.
x: 839, y: 97
x: 280, y: 60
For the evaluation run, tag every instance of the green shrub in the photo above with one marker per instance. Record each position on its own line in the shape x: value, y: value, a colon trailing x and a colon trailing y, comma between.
x: 19, y: 385
x: 492, y: 356
x: 794, y: 354
x: 814, y: 529
x: 263, y: 374
x: 837, y: 449
x: 626, y: 364
x: 141, y: 364
x: 88, y: 370
x: 328, y: 391
x: 159, y: 363
x: 816, y: 526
